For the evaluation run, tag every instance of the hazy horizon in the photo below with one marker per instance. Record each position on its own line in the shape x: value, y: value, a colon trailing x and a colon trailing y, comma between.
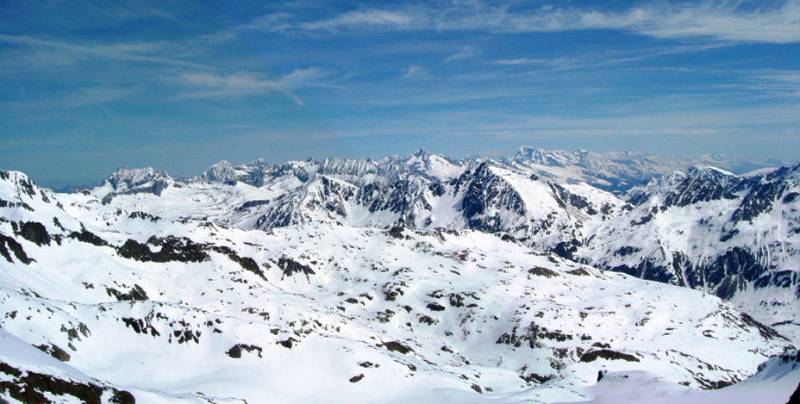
x: 739, y: 165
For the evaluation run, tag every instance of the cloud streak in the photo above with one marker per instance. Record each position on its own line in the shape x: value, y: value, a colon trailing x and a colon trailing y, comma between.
x: 721, y: 21
x: 606, y: 58
x: 79, y: 98
x: 148, y: 52
x: 467, y: 52
x: 244, y: 84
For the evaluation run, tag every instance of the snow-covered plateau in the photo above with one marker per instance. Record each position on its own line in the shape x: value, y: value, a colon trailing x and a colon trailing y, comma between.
x: 550, y: 276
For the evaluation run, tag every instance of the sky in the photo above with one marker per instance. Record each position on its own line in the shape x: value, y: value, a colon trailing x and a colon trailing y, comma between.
x: 89, y: 86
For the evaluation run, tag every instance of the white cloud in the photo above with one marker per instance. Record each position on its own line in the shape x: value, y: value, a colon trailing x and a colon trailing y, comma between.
x: 606, y: 58
x: 79, y: 98
x: 467, y: 52
x: 212, y: 85
x: 720, y: 20
x: 773, y: 82
x: 95, y: 95
x: 149, y: 52
x: 555, y: 63
x: 275, y: 22
x: 363, y: 18
x: 414, y: 71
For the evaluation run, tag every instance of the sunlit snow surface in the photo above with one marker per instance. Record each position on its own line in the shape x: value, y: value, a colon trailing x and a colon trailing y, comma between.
x: 386, y: 316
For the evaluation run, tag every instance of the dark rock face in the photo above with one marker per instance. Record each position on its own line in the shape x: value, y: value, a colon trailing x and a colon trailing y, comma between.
x: 135, y: 250
x: 795, y: 397
x: 427, y: 320
x: 627, y: 250
x: 287, y: 343
x: 731, y: 271
x: 246, y: 263
x: 182, y: 249
x: 701, y: 185
x: 533, y: 334
x: 54, y: 351
x: 397, y: 346
x: 698, y: 184
x: 401, y: 196
x: 236, y: 350
x: 88, y: 237
x: 564, y: 198
x: 781, y: 279
x: 136, y: 294
x: 291, y: 267
x: 185, y: 335
x: 567, y: 249
x: 396, y: 232
x: 141, y: 326
x: 541, y: 271
x: 143, y: 216
x: 607, y: 354
x: 766, y: 332
x: 8, y: 246
x: 30, y: 387
x: 648, y: 269
x: 9, y: 204
x: 536, y: 378
x: 172, y: 249
x: 251, y: 204
x: 763, y: 192
x: 484, y: 189
x: 579, y: 272
x: 34, y: 232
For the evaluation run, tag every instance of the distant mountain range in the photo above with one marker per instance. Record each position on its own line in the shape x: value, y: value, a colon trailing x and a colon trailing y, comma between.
x: 510, y: 279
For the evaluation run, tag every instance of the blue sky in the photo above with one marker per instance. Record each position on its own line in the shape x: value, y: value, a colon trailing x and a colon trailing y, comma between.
x: 88, y: 86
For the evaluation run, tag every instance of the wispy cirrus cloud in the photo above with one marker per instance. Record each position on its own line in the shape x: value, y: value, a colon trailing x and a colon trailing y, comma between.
x: 414, y: 71
x: 148, y: 52
x: 725, y: 21
x: 466, y: 52
x: 244, y: 84
x: 78, y: 98
x: 606, y: 58
x: 768, y: 81
x: 363, y: 18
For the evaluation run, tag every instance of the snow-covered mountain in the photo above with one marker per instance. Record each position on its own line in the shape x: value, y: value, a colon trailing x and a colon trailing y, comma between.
x: 735, y: 236
x: 618, y: 171
x: 413, y: 278
x: 678, y: 227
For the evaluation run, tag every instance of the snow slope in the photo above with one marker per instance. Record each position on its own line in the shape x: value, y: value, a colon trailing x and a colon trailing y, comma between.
x: 147, y: 295
x: 776, y: 381
x: 703, y: 227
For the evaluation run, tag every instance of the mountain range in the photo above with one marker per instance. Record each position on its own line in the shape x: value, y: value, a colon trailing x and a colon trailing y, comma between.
x: 550, y: 276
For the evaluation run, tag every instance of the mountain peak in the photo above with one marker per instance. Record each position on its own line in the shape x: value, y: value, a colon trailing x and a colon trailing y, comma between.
x: 15, y: 183
x: 221, y: 171
x: 421, y: 153
x: 14, y: 176
x: 132, y: 177
x: 709, y: 171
